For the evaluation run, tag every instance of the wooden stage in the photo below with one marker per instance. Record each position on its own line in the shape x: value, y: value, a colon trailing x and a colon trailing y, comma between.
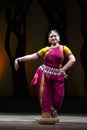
x: 27, y: 122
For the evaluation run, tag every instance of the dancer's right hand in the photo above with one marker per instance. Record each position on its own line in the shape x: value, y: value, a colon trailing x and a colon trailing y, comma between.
x: 16, y: 64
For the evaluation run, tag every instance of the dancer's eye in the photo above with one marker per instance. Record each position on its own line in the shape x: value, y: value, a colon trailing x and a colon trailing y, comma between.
x: 53, y: 36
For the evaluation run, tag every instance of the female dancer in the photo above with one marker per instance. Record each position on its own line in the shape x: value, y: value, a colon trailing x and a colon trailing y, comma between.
x: 49, y: 77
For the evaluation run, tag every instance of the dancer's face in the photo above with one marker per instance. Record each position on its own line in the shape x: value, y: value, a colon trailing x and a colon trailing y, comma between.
x: 54, y: 38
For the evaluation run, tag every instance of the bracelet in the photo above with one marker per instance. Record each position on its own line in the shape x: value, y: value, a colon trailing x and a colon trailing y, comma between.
x: 19, y: 59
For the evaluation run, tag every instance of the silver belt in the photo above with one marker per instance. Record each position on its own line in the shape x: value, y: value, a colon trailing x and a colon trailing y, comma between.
x: 50, y: 70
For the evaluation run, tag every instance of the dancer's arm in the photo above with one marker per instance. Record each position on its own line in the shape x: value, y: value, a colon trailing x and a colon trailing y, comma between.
x: 70, y: 63
x: 33, y: 56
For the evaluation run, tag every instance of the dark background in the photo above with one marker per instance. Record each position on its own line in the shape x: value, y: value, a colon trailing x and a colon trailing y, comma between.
x: 23, y: 30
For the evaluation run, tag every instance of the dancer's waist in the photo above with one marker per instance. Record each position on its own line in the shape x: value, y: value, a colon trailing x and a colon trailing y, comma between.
x: 50, y: 70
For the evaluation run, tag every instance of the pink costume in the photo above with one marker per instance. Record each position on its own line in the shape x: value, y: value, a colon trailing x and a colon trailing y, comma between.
x: 48, y: 79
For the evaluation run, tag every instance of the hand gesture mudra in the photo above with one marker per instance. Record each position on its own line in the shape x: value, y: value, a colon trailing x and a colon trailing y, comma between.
x: 16, y: 64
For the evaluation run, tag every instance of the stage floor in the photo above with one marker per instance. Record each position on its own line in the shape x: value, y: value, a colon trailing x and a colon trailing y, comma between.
x: 27, y: 122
